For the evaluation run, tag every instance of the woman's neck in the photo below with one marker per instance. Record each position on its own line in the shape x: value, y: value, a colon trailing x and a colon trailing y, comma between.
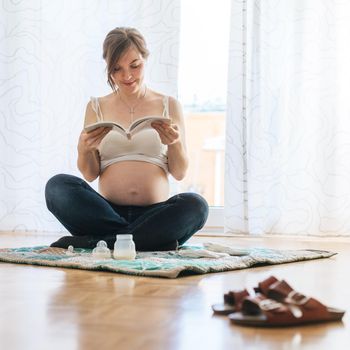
x: 133, y: 96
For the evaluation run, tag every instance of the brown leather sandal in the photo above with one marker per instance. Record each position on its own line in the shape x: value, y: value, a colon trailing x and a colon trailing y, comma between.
x: 233, y: 299
x: 232, y: 302
x: 287, y: 308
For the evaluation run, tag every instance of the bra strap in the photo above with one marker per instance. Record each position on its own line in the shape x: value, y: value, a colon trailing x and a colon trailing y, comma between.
x: 166, y: 106
x: 97, y: 108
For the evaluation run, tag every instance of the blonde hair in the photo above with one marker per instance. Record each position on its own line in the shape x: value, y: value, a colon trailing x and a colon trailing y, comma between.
x: 116, y: 43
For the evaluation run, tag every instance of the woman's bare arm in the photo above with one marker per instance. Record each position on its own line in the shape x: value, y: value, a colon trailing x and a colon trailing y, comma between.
x: 88, y: 157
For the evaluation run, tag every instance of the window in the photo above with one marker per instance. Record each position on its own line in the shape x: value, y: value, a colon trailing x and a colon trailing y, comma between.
x: 204, y: 47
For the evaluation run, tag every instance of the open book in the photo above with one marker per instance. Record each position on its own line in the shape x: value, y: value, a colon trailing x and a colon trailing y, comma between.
x: 135, y: 127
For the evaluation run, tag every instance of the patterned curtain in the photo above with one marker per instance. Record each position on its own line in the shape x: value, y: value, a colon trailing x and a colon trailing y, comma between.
x: 288, y: 128
x: 50, y: 64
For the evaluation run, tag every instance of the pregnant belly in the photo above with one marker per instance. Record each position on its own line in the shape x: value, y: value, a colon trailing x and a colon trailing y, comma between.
x: 134, y: 183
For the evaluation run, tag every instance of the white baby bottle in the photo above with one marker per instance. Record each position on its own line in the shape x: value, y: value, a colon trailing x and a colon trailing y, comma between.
x: 124, y: 248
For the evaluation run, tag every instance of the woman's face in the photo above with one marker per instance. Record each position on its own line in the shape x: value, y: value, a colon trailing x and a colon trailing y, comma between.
x: 128, y: 73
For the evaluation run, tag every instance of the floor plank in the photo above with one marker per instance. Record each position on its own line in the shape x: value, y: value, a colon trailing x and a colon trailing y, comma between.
x: 53, y: 308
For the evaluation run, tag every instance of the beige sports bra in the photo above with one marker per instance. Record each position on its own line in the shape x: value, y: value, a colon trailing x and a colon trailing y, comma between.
x: 144, y: 146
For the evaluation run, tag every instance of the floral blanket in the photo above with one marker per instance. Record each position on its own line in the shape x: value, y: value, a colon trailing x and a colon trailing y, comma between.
x: 170, y: 264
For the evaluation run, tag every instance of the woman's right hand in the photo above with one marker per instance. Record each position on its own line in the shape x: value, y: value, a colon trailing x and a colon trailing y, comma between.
x: 89, y: 141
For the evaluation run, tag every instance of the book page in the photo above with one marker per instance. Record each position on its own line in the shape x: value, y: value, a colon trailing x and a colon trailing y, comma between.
x: 135, y: 127
x: 103, y: 124
x: 146, y: 122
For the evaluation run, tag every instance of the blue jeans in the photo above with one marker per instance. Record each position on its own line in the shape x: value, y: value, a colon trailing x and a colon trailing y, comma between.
x: 84, y: 212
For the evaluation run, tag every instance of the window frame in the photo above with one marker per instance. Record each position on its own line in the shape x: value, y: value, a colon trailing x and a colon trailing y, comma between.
x: 215, y: 221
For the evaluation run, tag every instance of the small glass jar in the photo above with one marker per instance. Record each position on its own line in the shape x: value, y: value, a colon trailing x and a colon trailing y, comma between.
x: 124, y: 248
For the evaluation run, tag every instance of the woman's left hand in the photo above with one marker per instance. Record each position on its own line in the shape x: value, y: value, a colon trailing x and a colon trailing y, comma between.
x: 169, y: 134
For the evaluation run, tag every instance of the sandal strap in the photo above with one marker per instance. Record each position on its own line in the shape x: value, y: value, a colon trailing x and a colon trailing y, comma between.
x: 235, y: 298
x: 278, y: 313
x: 296, y: 298
x: 261, y: 304
x: 263, y: 286
x: 284, y: 293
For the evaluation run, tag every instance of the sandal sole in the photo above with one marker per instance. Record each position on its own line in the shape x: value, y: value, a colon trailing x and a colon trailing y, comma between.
x: 261, y: 320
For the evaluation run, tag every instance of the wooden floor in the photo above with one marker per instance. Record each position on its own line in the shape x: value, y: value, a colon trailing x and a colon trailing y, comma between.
x: 52, y: 308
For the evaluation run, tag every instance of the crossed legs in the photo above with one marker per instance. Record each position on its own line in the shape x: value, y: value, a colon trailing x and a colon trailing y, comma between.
x: 89, y: 217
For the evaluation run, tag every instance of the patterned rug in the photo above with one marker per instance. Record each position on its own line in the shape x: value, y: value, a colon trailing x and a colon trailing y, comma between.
x: 170, y: 264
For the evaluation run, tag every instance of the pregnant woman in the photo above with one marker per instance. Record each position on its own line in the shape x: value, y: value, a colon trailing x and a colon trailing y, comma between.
x: 133, y: 174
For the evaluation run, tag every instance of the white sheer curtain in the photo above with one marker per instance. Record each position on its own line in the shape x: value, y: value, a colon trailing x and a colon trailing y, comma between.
x: 50, y: 64
x: 288, y: 127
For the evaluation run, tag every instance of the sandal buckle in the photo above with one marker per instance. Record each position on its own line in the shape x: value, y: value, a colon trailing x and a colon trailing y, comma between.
x: 269, y: 304
x: 296, y: 298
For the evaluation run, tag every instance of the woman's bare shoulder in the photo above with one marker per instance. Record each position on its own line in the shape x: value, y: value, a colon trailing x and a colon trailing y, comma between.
x: 173, y: 102
x: 154, y: 95
x: 175, y: 107
x: 91, y: 109
x: 107, y: 98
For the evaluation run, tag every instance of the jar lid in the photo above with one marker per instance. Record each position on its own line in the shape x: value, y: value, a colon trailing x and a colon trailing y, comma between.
x: 129, y: 237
